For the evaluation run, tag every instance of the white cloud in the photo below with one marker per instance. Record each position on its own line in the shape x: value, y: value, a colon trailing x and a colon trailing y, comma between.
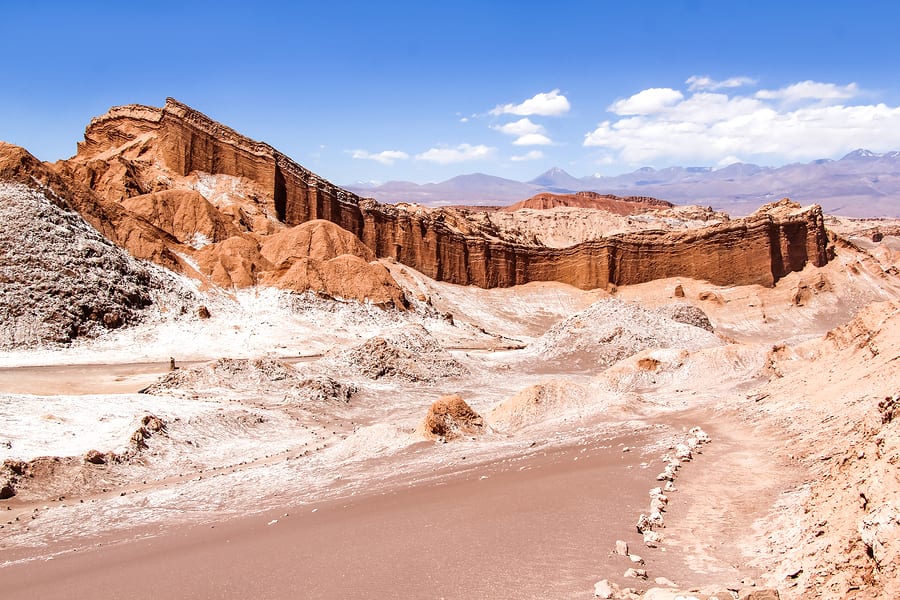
x: 533, y: 139
x: 802, y: 121
x: 386, y: 157
x: 704, y: 82
x: 810, y: 90
x: 647, y: 102
x: 528, y: 133
x: 519, y: 128
x: 533, y: 155
x: 460, y: 153
x: 545, y: 104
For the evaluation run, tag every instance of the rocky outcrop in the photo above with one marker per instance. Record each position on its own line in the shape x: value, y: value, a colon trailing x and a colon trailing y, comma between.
x: 442, y: 243
x: 629, y: 205
x: 450, y: 417
x: 61, y: 280
x: 141, y: 238
x: 409, y: 354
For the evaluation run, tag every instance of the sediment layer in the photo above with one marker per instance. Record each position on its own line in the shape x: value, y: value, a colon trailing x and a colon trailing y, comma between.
x: 446, y: 244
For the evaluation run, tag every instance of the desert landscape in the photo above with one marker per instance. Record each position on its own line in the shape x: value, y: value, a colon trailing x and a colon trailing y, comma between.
x: 224, y: 376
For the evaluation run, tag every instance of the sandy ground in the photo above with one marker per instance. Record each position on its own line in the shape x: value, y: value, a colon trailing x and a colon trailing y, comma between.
x: 493, y: 533
x: 253, y: 490
x: 81, y: 379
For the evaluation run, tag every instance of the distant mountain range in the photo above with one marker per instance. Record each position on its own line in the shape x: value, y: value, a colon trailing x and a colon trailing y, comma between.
x: 861, y: 184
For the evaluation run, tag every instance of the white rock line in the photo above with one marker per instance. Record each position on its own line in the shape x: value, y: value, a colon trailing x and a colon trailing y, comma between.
x: 646, y: 523
x: 683, y: 452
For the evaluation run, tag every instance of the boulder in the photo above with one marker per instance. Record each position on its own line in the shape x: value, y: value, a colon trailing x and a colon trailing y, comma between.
x: 605, y: 589
x: 765, y: 594
x: 451, y: 417
x: 7, y: 491
x: 702, y: 436
x: 657, y: 505
x: 95, y: 457
x: 635, y: 574
x: 643, y: 523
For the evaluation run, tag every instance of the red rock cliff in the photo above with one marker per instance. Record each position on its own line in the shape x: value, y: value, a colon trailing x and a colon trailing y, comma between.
x: 443, y: 243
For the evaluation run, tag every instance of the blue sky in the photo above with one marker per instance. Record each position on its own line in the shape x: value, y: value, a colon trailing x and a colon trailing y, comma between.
x: 423, y: 91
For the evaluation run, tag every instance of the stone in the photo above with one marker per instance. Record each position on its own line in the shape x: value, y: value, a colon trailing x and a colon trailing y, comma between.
x: 683, y: 452
x: 605, y: 589
x: 633, y: 573
x: 621, y: 548
x: 702, y: 436
x: 762, y: 594
x: 451, y: 417
x: 95, y: 457
x: 657, y: 505
x: 636, y: 559
x: 643, y: 523
x: 652, y: 539
x: 7, y: 491
x: 152, y: 423
x: 664, y: 582
x: 679, y: 291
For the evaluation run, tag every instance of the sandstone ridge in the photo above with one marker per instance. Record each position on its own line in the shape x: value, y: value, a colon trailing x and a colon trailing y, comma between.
x: 136, y: 150
x: 629, y: 205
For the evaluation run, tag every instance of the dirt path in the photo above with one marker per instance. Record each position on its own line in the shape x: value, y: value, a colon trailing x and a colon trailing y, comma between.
x: 81, y: 379
x: 494, y: 533
x: 736, y: 480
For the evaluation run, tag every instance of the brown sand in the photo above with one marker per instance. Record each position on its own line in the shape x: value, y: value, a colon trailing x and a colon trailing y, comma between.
x: 81, y: 379
x: 535, y: 527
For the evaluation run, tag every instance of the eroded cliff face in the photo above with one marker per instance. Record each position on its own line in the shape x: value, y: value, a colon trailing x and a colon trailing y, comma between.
x: 629, y: 205
x: 137, y: 150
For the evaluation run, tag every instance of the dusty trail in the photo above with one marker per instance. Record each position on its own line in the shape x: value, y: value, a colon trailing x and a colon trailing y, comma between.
x: 493, y: 533
x: 82, y: 379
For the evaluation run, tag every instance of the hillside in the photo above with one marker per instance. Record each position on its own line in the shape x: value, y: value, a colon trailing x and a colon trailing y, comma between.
x: 219, y: 366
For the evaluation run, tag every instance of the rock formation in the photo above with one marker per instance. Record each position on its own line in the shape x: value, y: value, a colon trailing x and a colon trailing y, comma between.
x: 138, y: 150
x: 408, y: 354
x: 546, y: 400
x: 630, y: 205
x: 61, y: 280
x: 451, y: 417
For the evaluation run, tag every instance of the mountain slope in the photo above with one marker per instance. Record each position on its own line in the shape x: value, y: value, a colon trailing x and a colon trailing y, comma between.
x: 861, y: 184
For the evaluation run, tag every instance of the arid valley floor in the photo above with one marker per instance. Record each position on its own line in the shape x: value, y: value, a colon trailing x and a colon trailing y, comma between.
x: 344, y: 425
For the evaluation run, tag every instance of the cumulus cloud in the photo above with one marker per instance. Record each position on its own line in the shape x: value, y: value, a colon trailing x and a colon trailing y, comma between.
x: 519, y: 128
x: 704, y: 82
x: 647, y: 102
x: 526, y: 132
x: 461, y: 153
x: 810, y: 90
x: 545, y: 104
x: 532, y: 155
x: 533, y: 139
x: 386, y: 157
x: 802, y: 121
